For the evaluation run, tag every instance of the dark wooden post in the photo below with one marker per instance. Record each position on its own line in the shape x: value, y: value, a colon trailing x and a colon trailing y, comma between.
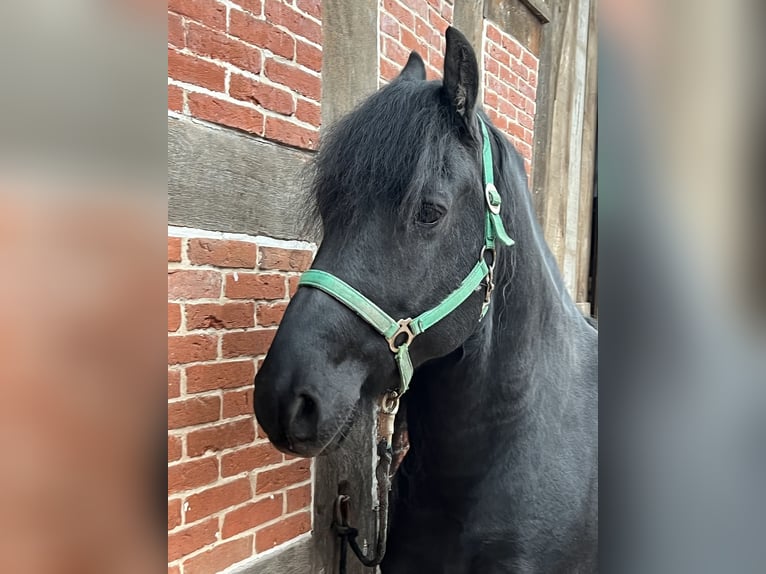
x: 349, y: 73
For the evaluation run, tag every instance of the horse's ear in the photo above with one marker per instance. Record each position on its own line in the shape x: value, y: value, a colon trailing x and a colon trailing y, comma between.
x: 414, y: 69
x: 461, y: 74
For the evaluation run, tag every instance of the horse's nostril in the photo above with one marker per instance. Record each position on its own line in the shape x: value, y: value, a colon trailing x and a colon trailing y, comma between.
x: 305, y: 417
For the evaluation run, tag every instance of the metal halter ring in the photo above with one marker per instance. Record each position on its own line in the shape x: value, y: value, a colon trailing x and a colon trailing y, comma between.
x: 404, y: 329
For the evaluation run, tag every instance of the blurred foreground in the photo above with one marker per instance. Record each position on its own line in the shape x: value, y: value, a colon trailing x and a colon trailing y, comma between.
x: 682, y: 282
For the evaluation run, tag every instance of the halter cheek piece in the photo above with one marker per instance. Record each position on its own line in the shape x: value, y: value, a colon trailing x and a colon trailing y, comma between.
x: 393, y: 330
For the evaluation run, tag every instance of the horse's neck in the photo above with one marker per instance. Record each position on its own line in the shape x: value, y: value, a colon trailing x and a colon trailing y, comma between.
x: 494, y: 387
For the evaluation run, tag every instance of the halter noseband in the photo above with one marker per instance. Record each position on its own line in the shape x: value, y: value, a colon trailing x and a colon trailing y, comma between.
x: 411, y: 328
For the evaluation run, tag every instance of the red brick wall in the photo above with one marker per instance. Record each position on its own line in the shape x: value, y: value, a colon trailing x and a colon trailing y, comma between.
x: 253, y: 65
x: 510, y: 89
x: 407, y: 25
x: 231, y: 495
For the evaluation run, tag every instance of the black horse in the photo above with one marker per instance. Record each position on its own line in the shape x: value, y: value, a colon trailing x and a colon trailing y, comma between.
x: 501, y: 475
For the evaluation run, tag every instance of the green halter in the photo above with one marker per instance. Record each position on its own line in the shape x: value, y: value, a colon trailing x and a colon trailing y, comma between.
x: 411, y: 328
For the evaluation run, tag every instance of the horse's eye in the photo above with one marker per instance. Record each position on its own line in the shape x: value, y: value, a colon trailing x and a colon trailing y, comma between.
x: 429, y: 214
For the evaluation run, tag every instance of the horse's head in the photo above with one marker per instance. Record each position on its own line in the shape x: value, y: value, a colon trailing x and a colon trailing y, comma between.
x: 398, y: 187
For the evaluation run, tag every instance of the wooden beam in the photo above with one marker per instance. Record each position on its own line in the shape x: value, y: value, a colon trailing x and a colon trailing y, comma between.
x: 518, y: 19
x: 585, y: 219
x: 295, y: 558
x: 221, y: 180
x: 350, y: 70
x: 540, y: 8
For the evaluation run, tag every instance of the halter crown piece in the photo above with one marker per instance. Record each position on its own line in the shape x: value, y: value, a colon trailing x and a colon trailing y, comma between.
x: 410, y: 328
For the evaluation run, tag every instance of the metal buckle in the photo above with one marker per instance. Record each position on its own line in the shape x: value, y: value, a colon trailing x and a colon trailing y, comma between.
x: 493, y: 208
x: 404, y: 328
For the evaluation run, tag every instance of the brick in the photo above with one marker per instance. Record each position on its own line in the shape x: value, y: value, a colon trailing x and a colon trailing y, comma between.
x: 388, y: 71
x: 255, y: 286
x: 175, y: 30
x: 187, y: 540
x: 208, y: 12
x: 511, y: 46
x: 220, y: 557
x: 284, y: 530
x: 308, y: 56
x: 279, y: 13
x: 519, y: 69
x: 493, y: 33
x: 174, y: 448
x: 515, y: 130
x: 237, y: 403
x: 270, y: 315
x: 292, y: 285
x: 193, y: 284
x: 253, y: 6
x: 529, y: 60
x: 175, y: 99
x: 174, y: 243
x: 526, y: 121
x: 219, y: 375
x: 174, y: 384
x: 527, y: 90
x: 311, y: 7
x: 533, y: 79
x: 516, y: 99
x: 215, y: 316
x: 490, y: 99
x: 424, y: 31
x: 282, y: 477
x: 174, y: 570
x: 437, y: 61
x: 400, y: 13
x: 298, y: 498
x: 309, y: 112
x: 194, y: 411
x: 174, y: 317
x: 251, y: 516
x: 389, y: 25
x: 219, y: 437
x: 508, y: 110
x: 216, y: 499
x: 438, y: 21
x: 499, y: 54
x: 294, y: 78
x: 420, y: 7
x: 447, y: 11
x: 410, y: 42
x: 277, y: 258
x: 261, y: 33
x: 492, y: 67
x: 192, y: 70
x: 250, y: 458
x: 192, y: 474
x: 222, y: 253
x: 247, y: 343
x: 394, y: 51
x: 174, y: 513
x: 269, y: 97
x: 228, y: 114
x: 287, y: 132
x: 191, y: 348
x: 212, y: 44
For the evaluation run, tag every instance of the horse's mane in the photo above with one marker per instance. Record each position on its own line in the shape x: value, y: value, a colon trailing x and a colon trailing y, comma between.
x: 409, y: 125
x: 409, y: 133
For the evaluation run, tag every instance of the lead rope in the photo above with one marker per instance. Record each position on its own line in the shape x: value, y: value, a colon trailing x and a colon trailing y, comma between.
x: 388, y: 408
